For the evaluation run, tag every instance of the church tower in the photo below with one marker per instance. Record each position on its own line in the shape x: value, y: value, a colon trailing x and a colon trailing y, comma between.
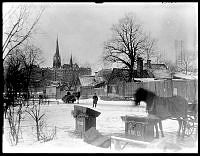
x: 56, y: 58
x: 71, y: 63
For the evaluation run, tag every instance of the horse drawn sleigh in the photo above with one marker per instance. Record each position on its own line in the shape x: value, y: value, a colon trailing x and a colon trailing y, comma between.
x: 140, y: 129
x: 175, y: 108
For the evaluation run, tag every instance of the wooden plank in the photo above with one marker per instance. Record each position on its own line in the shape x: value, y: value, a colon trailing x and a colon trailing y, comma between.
x: 191, y: 92
x: 168, y: 88
x: 130, y: 140
x: 140, y: 119
x: 159, y: 88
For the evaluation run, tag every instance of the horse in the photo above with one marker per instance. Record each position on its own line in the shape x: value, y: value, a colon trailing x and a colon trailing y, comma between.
x: 77, y: 95
x: 174, y: 107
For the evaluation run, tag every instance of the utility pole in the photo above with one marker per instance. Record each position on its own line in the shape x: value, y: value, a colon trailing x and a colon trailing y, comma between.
x: 176, y: 53
x: 181, y: 52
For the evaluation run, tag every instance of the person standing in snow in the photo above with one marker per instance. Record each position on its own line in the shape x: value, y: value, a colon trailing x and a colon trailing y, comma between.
x: 95, y: 99
x: 78, y: 96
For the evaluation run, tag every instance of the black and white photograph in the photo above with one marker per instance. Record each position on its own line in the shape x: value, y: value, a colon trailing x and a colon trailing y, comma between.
x: 118, y: 77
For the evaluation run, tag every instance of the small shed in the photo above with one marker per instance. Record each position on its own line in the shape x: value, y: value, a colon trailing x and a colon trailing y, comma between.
x: 53, y: 91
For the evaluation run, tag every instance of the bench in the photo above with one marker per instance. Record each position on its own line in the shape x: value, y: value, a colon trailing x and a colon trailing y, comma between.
x: 121, y: 142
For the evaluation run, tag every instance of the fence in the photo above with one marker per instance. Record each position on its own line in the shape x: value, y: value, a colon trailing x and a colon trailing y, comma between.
x: 164, y: 88
x: 89, y: 91
x: 43, y: 101
x: 28, y: 133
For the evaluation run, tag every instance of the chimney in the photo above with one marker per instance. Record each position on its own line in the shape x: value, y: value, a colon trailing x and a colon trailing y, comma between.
x: 148, y: 64
x: 95, y: 75
x: 140, y: 67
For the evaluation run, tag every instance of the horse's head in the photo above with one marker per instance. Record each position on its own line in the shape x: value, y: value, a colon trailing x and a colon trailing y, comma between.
x: 147, y: 96
x: 140, y: 95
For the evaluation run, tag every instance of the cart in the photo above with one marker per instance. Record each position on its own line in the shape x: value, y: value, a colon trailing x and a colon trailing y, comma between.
x: 191, y: 120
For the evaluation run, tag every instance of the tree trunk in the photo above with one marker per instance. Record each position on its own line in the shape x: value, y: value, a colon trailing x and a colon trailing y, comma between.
x: 2, y: 87
x: 38, y: 131
x: 130, y: 75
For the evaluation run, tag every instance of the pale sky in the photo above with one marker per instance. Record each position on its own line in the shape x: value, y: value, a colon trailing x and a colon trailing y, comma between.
x: 83, y: 27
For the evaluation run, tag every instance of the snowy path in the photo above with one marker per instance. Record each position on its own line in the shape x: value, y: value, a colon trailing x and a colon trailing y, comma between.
x: 108, y: 123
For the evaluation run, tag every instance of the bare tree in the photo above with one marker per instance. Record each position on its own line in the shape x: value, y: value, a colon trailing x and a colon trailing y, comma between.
x: 14, y: 75
x: 20, y: 68
x: 150, y: 47
x: 46, y: 77
x: 17, y: 28
x: 128, y: 42
x: 15, y: 116
x: 17, y: 77
x: 35, y: 112
x: 71, y: 82
x: 14, y: 83
x: 187, y: 63
x: 31, y: 57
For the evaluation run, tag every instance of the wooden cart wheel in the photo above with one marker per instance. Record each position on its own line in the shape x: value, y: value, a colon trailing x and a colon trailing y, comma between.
x: 189, y: 126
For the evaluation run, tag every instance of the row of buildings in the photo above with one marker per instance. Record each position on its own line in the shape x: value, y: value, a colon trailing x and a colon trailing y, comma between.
x: 59, y: 79
x: 154, y: 77
x: 65, y: 76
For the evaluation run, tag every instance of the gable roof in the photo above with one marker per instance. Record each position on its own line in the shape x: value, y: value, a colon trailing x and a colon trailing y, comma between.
x: 184, y: 76
x: 89, y: 80
x: 160, y: 66
x: 123, y: 74
x: 103, y: 72
x: 146, y: 74
x: 119, y: 73
x: 161, y: 74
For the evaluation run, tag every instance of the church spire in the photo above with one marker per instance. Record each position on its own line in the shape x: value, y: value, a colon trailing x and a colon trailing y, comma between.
x: 57, y: 47
x: 71, y: 63
x: 56, y: 58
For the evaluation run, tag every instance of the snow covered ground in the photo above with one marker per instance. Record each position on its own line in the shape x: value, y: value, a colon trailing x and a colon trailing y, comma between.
x: 108, y: 123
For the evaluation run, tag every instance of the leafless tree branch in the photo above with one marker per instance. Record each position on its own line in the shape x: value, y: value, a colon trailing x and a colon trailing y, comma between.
x: 19, y: 33
x: 127, y: 42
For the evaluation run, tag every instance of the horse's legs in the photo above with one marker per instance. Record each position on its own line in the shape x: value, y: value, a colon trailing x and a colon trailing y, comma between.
x: 180, y: 125
x: 156, y: 127
x: 161, y: 128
